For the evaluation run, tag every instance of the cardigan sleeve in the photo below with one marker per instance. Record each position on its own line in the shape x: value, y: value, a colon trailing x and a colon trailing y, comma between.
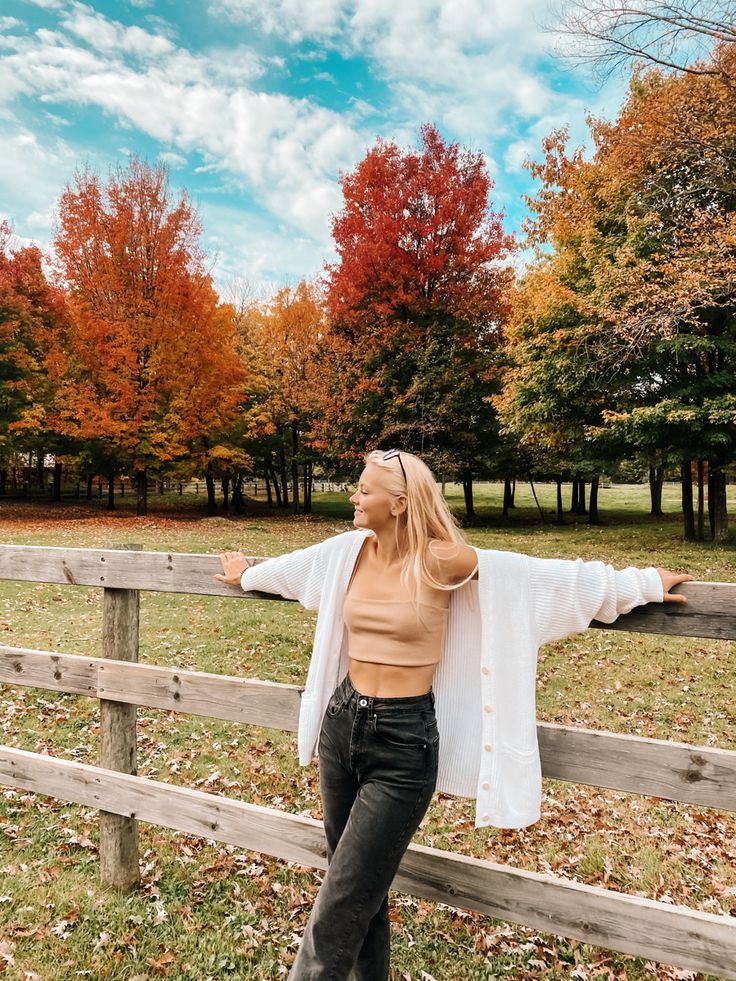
x: 298, y: 575
x: 567, y: 594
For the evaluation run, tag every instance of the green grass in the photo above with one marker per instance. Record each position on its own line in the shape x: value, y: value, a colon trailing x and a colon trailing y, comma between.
x: 207, y: 910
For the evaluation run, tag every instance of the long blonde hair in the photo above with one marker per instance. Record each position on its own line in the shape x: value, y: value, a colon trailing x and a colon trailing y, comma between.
x: 426, y: 518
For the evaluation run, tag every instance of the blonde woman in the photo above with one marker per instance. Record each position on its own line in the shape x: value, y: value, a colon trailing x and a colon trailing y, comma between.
x: 422, y: 677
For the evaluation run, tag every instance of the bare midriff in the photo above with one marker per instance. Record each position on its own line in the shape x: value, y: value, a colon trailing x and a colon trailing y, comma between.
x: 390, y: 680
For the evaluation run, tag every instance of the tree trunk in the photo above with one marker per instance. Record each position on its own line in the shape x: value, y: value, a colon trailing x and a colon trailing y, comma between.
x: 536, y: 500
x: 512, y: 502
x: 39, y: 469
x: 277, y: 488
x: 506, y: 496
x: 701, y: 502
x: 574, y: 496
x: 225, y: 493
x: 3, y: 480
x: 89, y: 486
x: 593, y: 518
x: 308, y: 487
x: 56, y: 495
x: 284, y: 483
x: 581, y: 498
x: 560, y: 516
x: 717, y: 505
x: 295, y: 465
x: 141, y: 486
x: 111, y: 492
x: 686, y: 479
x: 267, y: 478
x: 238, y: 501
x: 656, y: 480
x: 209, y: 481
x: 467, y: 478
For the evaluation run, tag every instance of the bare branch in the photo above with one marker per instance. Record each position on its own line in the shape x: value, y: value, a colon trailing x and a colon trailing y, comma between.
x: 679, y: 35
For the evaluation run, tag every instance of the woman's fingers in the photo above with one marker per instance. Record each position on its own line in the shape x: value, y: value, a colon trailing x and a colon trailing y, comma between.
x: 671, y: 579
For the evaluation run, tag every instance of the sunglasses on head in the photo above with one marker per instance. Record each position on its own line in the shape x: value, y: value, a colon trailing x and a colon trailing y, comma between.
x: 389, y: 455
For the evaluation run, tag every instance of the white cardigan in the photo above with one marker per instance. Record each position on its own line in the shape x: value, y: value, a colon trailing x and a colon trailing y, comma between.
x: 485, y: 682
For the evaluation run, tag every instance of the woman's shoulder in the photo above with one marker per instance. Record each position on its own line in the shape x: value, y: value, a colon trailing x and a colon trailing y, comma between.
x: 450, y: 562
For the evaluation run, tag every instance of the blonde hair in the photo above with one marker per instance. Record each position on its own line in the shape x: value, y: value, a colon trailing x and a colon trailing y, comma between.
x: 426, y: 518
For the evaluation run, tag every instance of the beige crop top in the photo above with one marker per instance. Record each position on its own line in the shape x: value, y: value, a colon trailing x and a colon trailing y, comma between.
x: 395, y: 631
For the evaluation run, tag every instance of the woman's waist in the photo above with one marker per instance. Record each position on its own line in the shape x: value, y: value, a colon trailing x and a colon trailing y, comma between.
x: 378, y: 680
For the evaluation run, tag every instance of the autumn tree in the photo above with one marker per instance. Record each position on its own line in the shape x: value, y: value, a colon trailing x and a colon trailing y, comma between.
x: 284, y: 335
x: 149, y: 364
x: 642, y: 236
x: 32, y: 311
x: 417, y: 301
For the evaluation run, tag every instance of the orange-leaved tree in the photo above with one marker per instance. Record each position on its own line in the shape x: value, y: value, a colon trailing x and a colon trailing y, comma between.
x: 32, y: 310
x: 149, y: 364
x: 417, y: 301
x: 284, y: 337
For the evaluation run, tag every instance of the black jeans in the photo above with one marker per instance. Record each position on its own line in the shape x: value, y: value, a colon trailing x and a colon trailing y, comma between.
x: 378, y: 770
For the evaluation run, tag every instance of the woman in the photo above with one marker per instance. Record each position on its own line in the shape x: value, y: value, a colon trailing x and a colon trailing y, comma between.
x: 409, y: 611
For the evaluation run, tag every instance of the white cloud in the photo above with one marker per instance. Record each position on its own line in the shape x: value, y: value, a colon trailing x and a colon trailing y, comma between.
x: 172, y: 159
x: 8, y: 23
x: 285, y: 151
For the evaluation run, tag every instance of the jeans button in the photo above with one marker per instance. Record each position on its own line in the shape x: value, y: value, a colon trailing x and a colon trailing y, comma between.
x: 363, y: 701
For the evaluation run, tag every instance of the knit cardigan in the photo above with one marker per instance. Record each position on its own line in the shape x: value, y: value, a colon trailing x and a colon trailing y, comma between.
x: 485, y: 682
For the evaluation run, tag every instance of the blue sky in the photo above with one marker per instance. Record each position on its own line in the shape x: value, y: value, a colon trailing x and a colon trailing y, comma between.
x: 257, y: 106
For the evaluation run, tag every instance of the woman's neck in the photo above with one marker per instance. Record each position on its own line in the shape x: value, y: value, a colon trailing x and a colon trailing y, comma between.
x: 386, y: 551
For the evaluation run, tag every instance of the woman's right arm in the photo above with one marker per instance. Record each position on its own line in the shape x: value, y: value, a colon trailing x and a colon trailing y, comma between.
x: 299, y: 575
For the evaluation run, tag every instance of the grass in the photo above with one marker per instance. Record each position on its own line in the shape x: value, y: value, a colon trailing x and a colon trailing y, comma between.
x: 207, y: 910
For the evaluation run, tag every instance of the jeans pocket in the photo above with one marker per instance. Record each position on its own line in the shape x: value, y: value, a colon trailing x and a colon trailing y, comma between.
x: 401, y: 731
x: 335, y: 705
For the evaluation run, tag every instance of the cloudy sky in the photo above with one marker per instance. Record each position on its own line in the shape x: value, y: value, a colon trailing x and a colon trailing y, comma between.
x: 257, y: 105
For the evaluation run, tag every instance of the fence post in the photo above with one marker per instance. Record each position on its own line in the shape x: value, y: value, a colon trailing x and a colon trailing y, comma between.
x: 119, y: 834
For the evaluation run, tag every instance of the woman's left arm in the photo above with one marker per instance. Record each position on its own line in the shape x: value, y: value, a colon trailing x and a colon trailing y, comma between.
x: 568, y: 594
x: 452, y: 562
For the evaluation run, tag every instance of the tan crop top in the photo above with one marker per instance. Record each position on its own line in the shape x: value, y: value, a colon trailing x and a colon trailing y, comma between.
x: 390, y: 632
x: 395, y: 631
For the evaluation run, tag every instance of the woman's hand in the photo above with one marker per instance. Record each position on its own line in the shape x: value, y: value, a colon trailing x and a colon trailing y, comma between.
x: 234, y: 565
x: 670, y: 579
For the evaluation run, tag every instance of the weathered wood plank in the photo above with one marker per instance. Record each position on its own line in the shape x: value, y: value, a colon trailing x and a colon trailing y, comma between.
x: 166, y: 572
x: 637, y: 765
x: 710, y: 610
x: 701, y: 775
x: 70, y: 673
x: 260, y: 703
x: 657, y: 931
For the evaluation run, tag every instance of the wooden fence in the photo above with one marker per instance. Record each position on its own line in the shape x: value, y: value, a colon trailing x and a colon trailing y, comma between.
x: 692, y: 774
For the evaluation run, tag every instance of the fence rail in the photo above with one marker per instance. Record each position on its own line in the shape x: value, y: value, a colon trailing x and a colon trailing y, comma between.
x: 677, y: 771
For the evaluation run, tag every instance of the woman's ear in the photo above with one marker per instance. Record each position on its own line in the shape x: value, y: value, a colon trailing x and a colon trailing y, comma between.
x: 399, y: 505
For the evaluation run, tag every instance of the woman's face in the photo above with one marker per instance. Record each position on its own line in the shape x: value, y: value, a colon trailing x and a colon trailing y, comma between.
x: 372, y: 502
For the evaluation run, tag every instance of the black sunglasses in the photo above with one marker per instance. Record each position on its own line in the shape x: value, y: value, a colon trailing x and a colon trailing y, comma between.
x: 389, y: 455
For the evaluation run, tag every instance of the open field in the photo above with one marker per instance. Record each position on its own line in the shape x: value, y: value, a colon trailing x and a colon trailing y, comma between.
x: 213, y: 911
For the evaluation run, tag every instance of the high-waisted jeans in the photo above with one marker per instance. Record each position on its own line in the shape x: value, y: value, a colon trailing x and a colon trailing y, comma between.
x: 378, y: 771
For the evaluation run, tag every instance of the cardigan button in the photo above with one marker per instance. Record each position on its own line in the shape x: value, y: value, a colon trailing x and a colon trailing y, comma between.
x: 486, y: 817
x: 484, y: 670
x: 486, y: 708
x: 486, y: 786
x: 487, y: 747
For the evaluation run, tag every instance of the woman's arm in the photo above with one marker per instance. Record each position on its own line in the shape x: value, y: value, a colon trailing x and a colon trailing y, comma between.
x: 567, y: 594
x: 452, y: 562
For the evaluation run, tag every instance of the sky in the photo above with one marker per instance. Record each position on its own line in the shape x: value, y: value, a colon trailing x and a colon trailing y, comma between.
x: 257, y: 106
